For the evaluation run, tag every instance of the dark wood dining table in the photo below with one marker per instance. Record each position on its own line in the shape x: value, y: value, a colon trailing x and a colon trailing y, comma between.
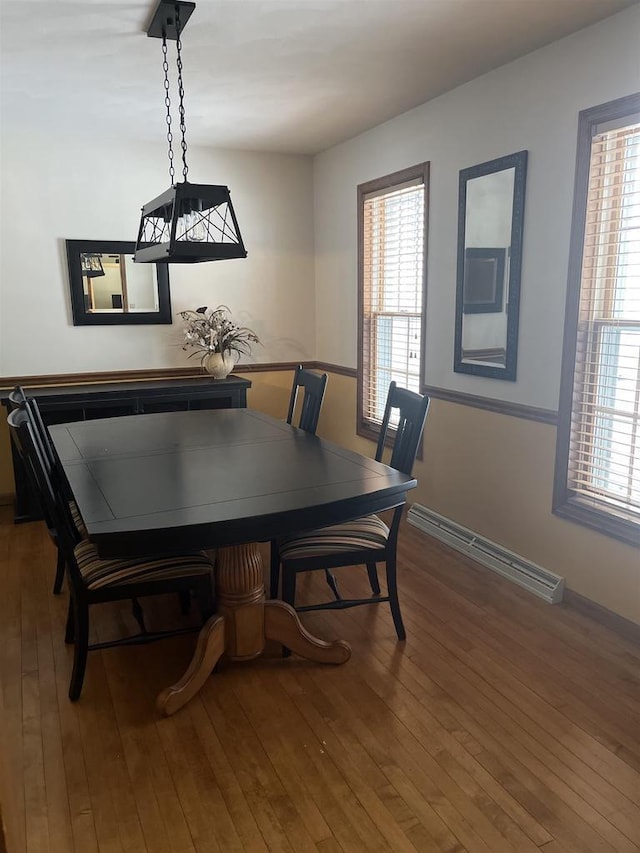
x: 221, y: 479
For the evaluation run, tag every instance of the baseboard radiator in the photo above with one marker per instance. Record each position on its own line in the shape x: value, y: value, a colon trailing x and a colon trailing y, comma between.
x: 537, y: 580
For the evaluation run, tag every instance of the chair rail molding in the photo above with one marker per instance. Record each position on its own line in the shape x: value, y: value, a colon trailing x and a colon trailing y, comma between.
x: 501, y: 407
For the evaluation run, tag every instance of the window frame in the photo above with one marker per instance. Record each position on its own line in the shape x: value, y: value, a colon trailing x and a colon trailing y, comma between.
x: 364, y: 426
x: 566, y: 503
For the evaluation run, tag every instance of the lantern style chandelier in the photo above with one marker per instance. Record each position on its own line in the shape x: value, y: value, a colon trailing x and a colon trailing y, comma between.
x: 91, y: 264
x: 188, y: 223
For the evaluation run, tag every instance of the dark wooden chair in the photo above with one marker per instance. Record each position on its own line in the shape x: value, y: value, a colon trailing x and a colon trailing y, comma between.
x: 93, y: 580
x: 313, y: 385
x: 365, y: 541
x: 49, y: 456
x: 19, y: 400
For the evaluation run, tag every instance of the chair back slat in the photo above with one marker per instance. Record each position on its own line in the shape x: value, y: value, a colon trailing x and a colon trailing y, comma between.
x: 41, y: 431
x: 412, y: 410
x: 313, y: 385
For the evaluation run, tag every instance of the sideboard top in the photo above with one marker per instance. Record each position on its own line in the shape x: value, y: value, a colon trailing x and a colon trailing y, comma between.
x: 147, y: 388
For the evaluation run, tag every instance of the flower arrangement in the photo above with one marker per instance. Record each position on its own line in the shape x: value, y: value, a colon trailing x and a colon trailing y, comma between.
x: 210, y: 330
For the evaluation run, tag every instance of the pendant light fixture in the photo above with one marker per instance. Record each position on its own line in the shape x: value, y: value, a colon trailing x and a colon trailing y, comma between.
x: 91, y: 264
x: 188, y: 223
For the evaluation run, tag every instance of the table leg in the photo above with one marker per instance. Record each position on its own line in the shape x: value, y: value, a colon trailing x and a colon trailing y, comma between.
x: 209, y: 650
x: 240, y: 593
x: 243, y: 623
x: 281, y: 623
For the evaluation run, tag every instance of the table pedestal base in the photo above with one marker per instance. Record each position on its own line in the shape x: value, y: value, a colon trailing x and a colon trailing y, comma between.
x: 244, y: 622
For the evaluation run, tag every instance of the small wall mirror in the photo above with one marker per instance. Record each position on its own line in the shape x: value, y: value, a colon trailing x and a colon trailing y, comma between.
x: 490, y: 220
x: 108, y: 288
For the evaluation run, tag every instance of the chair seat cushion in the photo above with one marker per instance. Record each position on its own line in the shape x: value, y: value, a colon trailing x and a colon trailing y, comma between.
x: 98, y: 573
x: 77, y: 520
x: 363, y: 533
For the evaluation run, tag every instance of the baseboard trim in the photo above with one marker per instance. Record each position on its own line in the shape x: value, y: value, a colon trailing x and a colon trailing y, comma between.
x: 6, y: 499
x: 625, y: 627
x: 518, y: 569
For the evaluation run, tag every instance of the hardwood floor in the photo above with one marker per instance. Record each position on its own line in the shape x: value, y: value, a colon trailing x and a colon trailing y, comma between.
x: 502, y: 724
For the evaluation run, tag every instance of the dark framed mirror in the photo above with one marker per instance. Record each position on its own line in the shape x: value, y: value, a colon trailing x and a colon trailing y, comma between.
x: 108, y: 288
x: 490, y: 227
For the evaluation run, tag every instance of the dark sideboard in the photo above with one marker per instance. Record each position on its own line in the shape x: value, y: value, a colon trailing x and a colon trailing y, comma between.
x: 66, y: 403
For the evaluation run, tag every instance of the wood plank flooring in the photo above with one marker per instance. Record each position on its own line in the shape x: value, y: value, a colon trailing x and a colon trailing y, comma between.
x: 502, y: 725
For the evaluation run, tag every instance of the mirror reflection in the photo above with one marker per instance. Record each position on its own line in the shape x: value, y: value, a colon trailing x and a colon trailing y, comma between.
x: 112, y: 282
x: 108, y: 287
x: 489, y: 251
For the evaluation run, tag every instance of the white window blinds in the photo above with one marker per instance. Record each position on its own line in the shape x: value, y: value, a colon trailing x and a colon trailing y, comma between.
x: 604, y: 447
x: 392, y: 292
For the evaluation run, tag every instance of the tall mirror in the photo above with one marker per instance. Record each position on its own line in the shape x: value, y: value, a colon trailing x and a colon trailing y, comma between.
x: 490, y: 220
x: 108, y: 288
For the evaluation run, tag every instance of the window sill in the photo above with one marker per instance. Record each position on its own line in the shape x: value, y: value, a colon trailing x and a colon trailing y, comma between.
x: 366, y: 429
x: 605, y: 522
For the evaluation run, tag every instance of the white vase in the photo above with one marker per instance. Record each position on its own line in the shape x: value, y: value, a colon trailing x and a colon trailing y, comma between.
x: 218, y: 364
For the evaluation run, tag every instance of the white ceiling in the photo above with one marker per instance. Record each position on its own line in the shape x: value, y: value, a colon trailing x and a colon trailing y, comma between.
x: 272, y: 75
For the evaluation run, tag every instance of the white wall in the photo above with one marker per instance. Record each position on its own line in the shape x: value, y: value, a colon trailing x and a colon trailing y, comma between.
x: 63, y: 186
x: 530, y: 104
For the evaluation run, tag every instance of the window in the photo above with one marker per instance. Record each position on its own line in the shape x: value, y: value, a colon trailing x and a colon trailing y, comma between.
x: 598, y: 457
x: 392, y: 217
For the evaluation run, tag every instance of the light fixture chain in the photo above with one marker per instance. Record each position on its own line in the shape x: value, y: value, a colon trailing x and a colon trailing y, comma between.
x: 183, y: 127
x: 167, y: 101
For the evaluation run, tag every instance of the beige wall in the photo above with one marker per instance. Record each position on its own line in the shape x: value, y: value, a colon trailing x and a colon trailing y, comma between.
x: 270, y: 391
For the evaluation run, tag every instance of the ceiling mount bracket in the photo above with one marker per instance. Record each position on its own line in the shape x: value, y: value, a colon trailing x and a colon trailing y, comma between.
x: 163, y: 22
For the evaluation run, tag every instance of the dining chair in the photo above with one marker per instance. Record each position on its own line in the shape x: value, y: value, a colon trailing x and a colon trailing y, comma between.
x: 313, y: 385
x: 94, y: 580
x: 365, y: 541
x: 19, y: 401
x: 41, y: 434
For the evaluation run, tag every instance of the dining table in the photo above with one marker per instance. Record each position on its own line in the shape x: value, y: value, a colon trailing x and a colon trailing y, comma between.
x: 224, y: 479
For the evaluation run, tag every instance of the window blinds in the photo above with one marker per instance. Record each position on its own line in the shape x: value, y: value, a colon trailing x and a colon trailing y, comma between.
x: 604, y: 450
x: 393, y: 284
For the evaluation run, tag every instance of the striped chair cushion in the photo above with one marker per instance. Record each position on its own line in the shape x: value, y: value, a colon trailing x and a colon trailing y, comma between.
x: 367, y: 532
x: 77, y: 520
x: 98, y: 573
